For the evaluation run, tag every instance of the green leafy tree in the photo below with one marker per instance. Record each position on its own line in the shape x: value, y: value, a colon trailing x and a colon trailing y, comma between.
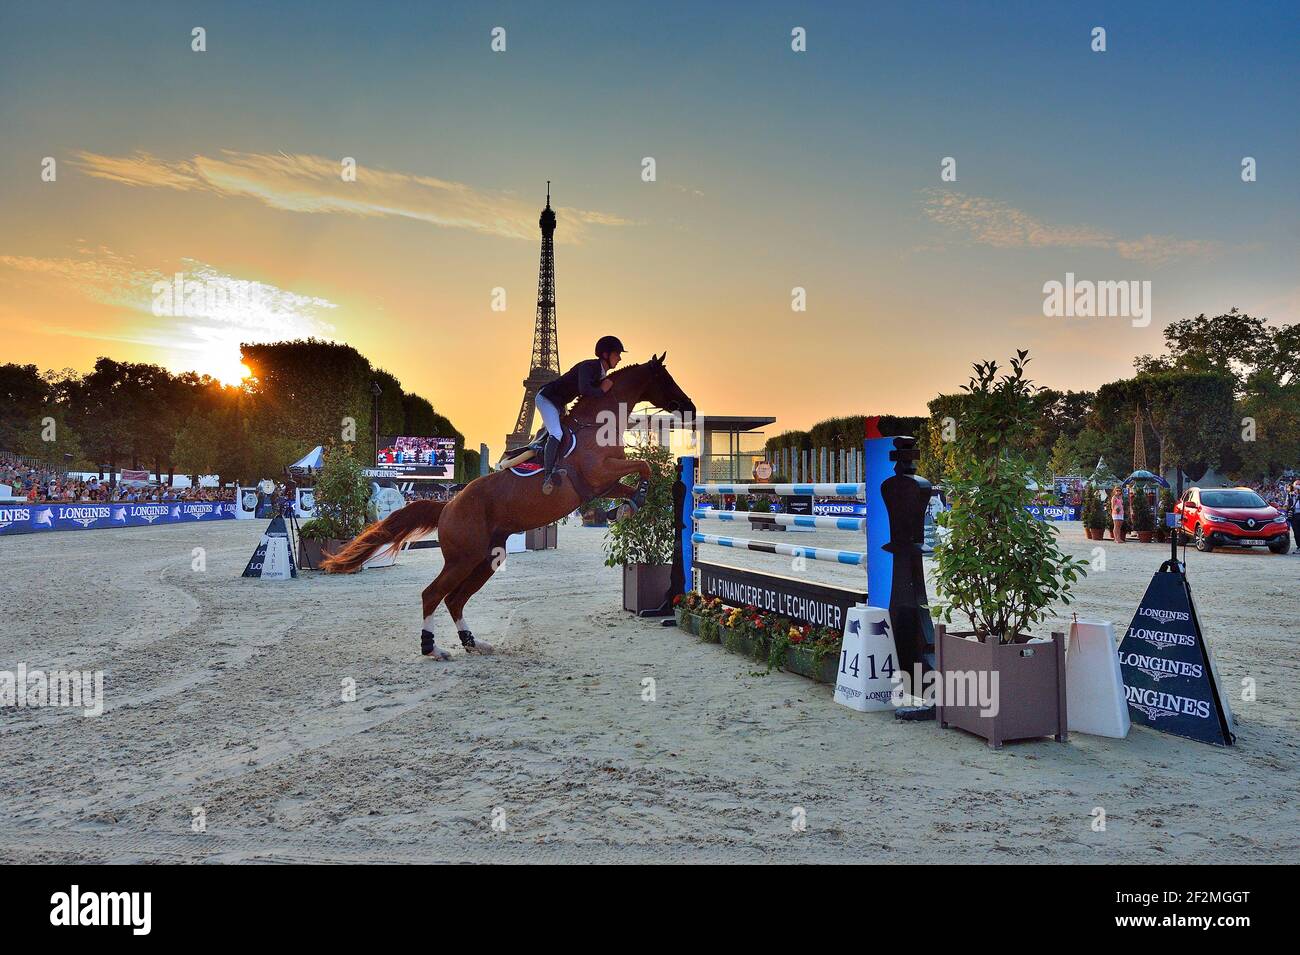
x: 22, y: 389
x: 999, y: 567
x: 648, y: 536
x: 342, y: 493
x: 936, y: 437
x: 197, y: 448
x: 1065, y: 458
x: 311, y: 392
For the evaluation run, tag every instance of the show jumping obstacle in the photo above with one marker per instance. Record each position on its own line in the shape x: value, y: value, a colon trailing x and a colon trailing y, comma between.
x: 852, y: 557
x: 893, y: 530
x: 473, y: 526
x: 785, y: 520
x: 804, y: 600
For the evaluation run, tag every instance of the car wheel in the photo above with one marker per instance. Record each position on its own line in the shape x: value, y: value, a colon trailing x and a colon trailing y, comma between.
x: 1281, y: 547
x: 1203, y: 543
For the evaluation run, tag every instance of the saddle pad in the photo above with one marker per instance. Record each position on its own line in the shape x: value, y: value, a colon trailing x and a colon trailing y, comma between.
x: 531, y: 467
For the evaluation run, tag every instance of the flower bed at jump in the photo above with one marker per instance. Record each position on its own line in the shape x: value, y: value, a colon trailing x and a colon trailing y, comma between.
x: 770, y: 639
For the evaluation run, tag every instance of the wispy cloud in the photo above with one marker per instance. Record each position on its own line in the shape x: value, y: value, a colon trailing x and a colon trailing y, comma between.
x: 314, y: 184
x: 995, y: 223
x: 203, y: 326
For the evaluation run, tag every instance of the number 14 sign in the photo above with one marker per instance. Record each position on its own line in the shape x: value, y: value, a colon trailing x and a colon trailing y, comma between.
x: 868, y: 660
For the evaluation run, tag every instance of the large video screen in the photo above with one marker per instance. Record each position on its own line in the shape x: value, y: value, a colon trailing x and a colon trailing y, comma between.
x: 416, y: 457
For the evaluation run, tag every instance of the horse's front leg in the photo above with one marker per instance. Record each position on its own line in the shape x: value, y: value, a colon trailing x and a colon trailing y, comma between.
x: 619, y: 492
x: 615, y: 469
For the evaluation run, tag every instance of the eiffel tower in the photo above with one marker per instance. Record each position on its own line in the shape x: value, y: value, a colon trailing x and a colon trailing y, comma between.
x: 1139, y: 442
x: 545, y: 365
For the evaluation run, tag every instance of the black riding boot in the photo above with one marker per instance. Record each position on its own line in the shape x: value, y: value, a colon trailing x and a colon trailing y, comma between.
x: 550, y: 455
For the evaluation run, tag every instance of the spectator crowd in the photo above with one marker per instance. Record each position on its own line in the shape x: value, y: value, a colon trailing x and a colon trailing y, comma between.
x: 41, y: 486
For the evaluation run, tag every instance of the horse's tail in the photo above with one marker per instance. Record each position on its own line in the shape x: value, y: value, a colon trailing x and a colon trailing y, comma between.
x: 416, y: 518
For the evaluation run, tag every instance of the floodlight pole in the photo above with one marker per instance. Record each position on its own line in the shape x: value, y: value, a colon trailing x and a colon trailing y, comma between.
x: 375, y: 392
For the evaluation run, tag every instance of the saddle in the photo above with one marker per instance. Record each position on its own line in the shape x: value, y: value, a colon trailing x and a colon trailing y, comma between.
x: 530, y: 457
x: 534, y: 450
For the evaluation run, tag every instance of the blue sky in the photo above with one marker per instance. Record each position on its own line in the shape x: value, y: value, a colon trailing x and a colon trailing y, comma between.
x: 775, y: 170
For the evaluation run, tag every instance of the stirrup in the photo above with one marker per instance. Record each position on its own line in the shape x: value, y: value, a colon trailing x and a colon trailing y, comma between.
x: 551, y: 479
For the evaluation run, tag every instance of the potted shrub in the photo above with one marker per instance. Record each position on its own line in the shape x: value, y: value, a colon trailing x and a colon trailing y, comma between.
x: 761, y: 504
x: 1143, y: 520
x: 342, y: 493
x: 642, y: 542
x: 1096, y: 514
x: 1001, y: 570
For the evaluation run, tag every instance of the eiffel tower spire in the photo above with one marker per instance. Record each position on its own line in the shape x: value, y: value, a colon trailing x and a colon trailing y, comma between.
x: 545, y: 365
x: 1139, y: 444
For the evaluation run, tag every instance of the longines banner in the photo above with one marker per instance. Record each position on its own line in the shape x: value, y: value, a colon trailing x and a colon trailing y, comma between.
x: 1055, y: 512
x: 34, y: 518
x: 1170, y: 678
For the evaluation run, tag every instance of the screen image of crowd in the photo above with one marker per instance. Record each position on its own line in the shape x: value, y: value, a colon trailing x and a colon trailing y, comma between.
x: 431, y: 451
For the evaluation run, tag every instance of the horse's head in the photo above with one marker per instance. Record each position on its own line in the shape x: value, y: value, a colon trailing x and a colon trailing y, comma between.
x: 660, y: 390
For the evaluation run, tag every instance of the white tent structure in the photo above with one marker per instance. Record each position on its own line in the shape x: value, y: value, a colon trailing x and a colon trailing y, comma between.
x: 309, y: 464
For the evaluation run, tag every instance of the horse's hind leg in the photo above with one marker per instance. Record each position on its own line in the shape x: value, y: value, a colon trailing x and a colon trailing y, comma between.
x: 467, y: 588
x: 457, y: 566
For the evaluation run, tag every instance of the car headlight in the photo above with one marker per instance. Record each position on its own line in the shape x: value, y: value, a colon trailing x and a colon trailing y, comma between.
x: 1280, y: 519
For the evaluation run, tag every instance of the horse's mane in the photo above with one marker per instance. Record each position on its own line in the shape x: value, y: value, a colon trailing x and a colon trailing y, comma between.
x: 617, y: 375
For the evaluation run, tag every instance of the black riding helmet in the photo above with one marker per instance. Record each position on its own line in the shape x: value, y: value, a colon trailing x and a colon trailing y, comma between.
x: 608, y: 343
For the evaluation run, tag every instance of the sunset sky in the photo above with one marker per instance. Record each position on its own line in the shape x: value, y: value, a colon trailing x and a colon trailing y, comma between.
x: 775, y: 169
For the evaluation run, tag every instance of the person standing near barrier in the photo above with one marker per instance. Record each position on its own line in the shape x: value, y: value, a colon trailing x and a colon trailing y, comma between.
x: 1117, y: 513
x: 586, y: 378
x: 1292, y: 511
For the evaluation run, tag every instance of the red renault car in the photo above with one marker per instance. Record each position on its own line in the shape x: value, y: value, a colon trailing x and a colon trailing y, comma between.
x: 1231, y: 517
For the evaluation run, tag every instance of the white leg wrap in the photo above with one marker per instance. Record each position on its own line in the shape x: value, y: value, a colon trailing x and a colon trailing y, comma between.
x: 428, y: 623
x: 461, y: 624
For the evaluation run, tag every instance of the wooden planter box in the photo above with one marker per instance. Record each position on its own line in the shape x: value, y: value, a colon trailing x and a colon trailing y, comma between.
x: 646, y: 586
x: 542, y: 538
x: 316, y: 551
x: 798, y: 660
x: 1030, y: 690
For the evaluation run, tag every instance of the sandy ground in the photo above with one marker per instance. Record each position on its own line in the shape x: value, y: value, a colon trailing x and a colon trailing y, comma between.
x: 225, y: 694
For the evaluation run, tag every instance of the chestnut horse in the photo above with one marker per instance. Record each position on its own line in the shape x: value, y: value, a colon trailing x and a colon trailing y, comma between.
x: 473, y: 526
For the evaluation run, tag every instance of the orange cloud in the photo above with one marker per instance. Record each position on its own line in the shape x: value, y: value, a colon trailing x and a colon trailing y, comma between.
x: 315, y: 184
x: 995, y: 223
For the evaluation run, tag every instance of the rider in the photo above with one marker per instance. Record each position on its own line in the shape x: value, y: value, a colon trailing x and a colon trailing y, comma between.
x: 586, y: 378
